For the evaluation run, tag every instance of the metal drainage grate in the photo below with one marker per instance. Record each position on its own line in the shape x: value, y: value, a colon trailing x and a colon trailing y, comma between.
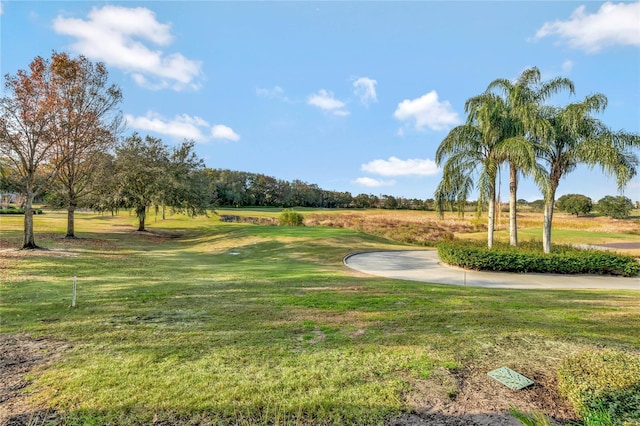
x: 510, y: 378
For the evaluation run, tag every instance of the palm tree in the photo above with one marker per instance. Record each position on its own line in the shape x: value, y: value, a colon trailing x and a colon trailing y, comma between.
x: 470, y: 151
x: 577, y: 137
x: 521, y: 125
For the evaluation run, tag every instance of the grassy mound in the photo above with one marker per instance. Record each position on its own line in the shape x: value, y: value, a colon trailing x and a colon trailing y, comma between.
x: 529, y: 257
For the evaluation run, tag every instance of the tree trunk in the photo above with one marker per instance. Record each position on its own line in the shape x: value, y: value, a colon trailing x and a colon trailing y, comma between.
x: 71, y: 211
x: 491, y: 219
x: 29, y: 240
x: 141, y: 212
x: 549, y: 203
x: 513, y: 205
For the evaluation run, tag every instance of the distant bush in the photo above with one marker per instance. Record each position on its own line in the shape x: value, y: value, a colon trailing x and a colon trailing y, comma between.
x: 602, y: 384
x: 575, y: 204
x: 289, y: 217
x: 528, y: 257
x: 15, y: 210
x: 615, y: 207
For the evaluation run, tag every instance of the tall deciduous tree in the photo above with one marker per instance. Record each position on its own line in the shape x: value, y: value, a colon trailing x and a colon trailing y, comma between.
x: 87, y: 123
x: 28, y: 140
x: 577, y: 137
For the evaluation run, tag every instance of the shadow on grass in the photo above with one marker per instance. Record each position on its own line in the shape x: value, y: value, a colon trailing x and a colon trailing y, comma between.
x: 249, y: 416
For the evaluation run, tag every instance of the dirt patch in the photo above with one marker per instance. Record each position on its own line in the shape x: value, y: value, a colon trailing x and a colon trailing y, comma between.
x: 19, y: 355
x: 469, y: 397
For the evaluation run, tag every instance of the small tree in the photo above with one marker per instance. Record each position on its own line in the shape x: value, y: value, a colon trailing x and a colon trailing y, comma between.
x: 140, y: 166
x: 148, y: 174
x: 390, y: 202
x: 617, y: 207
x: 186, y: 188
x: 290, y: 217
x: 575, y: 204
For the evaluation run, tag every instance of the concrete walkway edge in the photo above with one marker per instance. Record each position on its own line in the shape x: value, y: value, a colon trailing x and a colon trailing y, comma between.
x: 425, y: 266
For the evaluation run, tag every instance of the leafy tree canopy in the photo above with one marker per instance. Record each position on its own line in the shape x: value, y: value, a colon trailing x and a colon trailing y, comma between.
x: 575, y: 204
x: 616, y: 207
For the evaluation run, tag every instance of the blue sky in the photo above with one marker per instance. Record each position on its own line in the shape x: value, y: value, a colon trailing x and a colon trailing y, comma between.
x: 352, y: 96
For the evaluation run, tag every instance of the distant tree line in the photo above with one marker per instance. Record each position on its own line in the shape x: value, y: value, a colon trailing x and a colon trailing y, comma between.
x: 243, y: 189
x: 616, y: 207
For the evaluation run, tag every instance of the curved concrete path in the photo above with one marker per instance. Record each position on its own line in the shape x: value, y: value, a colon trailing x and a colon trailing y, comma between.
x: 425, y: 266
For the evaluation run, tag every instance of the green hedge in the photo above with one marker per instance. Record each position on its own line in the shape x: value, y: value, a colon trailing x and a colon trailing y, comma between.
x: 13, y: 210
x: 529, y: 257
x: 606, y: 382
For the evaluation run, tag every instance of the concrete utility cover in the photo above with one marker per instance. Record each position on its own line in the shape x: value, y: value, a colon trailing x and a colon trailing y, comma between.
x: 510, y: 378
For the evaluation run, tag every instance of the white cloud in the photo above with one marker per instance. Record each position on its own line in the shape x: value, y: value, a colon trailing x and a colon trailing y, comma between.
x: 427, y: 111
x: 373, y: 183
x: 220, y: 131
x: 567, y: 66
x: 613, y: 24
x: 327, y: 102
x: 396, y: 167
x: 365, y: 89
x: 1, y: 8
x: 181, y: 127
x: 276, y: 93
x: 116, y: 35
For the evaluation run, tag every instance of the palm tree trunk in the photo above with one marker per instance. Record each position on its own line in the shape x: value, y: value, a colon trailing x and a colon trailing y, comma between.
x: 513, y: 207
x: 549, y: 204
x: 492, y: 218
x: 29, y: 242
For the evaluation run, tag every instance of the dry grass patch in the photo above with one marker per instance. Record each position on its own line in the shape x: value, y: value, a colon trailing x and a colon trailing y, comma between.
x: 419, y: 228
x: 584, y: 223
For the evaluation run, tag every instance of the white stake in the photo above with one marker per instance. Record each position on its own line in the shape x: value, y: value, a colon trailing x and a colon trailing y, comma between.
x: 73, y: 299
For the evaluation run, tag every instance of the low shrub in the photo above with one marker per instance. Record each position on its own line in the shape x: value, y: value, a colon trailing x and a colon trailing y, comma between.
x: 290, y: 217
x: 529, y: 257
x: 602, y: 385
x: 14, y: 210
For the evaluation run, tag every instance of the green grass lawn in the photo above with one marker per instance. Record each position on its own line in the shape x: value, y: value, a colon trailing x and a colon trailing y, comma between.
x: 200, y: 319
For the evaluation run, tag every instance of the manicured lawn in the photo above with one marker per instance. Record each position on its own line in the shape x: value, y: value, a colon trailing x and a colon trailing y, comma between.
x: 221, y: 322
